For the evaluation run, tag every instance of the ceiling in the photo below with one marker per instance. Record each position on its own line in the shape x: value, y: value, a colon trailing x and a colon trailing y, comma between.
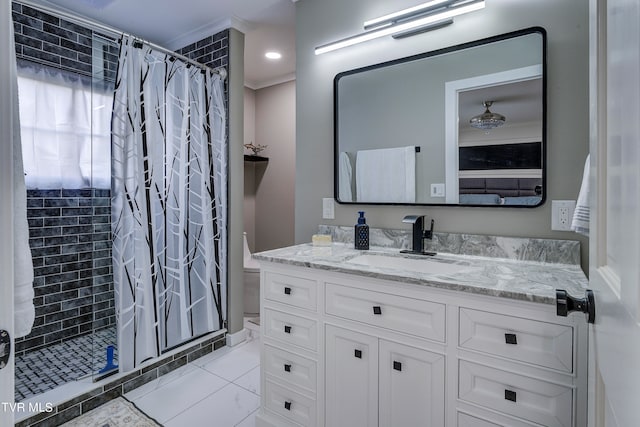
x: 267, y: 25
x: 519, y: 102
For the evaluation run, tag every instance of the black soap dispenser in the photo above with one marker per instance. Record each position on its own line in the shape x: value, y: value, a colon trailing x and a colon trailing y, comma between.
x: 361, y: 239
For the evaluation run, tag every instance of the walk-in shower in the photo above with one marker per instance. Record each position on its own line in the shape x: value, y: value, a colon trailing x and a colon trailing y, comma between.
x: 66, y: 78
x: 82, y: 219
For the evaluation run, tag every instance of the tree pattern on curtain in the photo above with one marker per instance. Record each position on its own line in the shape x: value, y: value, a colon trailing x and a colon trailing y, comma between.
x: 168, y: 202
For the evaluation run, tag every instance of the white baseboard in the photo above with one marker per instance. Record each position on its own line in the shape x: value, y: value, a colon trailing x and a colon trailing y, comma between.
x: 236, y: 338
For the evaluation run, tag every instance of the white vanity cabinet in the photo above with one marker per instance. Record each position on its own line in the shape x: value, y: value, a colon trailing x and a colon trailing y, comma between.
x: 340, y: 349
x: 412, y: 386
x: 371, y: 381
x: 351, y: 378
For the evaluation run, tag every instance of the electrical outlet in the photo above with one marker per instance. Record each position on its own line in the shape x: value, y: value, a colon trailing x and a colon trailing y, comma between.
x: 562, y: 214
x: 328, y: 208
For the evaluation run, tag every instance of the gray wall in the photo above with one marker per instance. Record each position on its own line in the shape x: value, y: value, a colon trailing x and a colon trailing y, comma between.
x: 235, y: 85
x: 318, y: 23
x: 249, y: 212
x: 275, y: 181
x: 270, y: 119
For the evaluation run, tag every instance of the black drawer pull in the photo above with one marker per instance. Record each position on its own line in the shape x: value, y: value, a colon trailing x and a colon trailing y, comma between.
x: 358, y: 354
x: 377, y: 310
x: 287, y: 405
x: 287, y: 367
x: 287, y: 290
x: 510, y: 395
x: 287, y: 329
x: 397, y: 366
x: 510, y: 339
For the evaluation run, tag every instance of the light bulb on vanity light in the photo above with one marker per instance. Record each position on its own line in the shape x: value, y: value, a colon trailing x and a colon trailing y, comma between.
x: 431, y: 15
x: 273, y: 55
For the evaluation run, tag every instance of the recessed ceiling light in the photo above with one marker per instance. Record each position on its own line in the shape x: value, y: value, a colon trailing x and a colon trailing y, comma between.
x: 273, y: 55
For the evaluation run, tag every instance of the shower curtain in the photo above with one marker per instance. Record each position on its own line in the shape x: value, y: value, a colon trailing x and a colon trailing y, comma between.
x: 168, y: 202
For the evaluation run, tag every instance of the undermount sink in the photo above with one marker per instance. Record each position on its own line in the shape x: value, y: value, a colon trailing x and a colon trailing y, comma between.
x: 421, y: 265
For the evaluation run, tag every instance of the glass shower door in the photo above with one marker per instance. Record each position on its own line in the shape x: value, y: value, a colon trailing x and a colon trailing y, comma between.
x: 105, y: 341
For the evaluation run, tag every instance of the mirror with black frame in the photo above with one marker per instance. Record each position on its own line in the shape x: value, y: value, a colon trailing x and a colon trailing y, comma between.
x: 465, y: 125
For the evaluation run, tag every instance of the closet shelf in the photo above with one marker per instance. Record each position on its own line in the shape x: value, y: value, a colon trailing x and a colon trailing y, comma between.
x: 251, y: 158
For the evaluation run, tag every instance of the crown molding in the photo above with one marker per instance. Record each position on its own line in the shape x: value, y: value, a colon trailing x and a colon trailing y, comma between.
x: 207, y: 30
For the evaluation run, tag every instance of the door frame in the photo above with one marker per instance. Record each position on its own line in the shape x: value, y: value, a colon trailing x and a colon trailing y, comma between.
x: 614, y: 339
x: 451, y: 94
x: 7, y: 114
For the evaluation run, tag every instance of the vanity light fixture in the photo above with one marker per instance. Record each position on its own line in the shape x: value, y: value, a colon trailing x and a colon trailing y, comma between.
x: 487, y: 120
x: 424, y: 17
x: 412, y: 12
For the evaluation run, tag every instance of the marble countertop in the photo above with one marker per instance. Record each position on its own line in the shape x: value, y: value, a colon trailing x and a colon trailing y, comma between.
x: 499, y: 277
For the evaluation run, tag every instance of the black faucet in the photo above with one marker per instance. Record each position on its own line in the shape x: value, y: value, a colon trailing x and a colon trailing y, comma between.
x: 418, y: 234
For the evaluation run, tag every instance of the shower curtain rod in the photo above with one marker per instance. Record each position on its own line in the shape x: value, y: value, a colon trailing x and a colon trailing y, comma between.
x: 116, y: 33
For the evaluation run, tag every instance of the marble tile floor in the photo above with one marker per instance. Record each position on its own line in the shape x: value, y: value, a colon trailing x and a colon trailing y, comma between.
x: 221, y: 389
x: 48, y: 368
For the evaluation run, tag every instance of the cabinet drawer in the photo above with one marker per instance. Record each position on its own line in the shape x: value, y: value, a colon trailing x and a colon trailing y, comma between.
x: 291, y: 329
x: 467, y: 420
x: 290, y: 367
x: 412, y: 316
x: 540, y: 343
x: 291, y: 405
x: 295, y: 291
x: 534, y: 400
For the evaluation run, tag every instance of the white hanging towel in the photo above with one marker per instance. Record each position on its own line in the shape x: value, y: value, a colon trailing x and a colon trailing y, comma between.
x: 580, y: 222
x: 386, y: 175
x: 345, y: 167
x: 24, y: 310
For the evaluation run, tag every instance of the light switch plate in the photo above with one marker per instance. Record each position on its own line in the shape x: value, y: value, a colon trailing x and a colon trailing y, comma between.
x: 562, y: 214
x: 328, y: 208
x: 437, y: 190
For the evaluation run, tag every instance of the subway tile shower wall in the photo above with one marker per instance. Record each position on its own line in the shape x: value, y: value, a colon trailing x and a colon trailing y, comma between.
x: 212, y: 51
x: 70, y: 239
x: 49, y: 40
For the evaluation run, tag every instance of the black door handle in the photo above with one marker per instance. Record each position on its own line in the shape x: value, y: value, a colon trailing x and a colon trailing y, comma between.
x: 510, y: 339
x: 358, y: 354
x: 287, y: 367
x: 510, y: 395
x: 565, y: 304
x: 287, y: 405
x: 397, y: 366
x: 287, y: 329
x: 287, y: 290
x: 377, y: 309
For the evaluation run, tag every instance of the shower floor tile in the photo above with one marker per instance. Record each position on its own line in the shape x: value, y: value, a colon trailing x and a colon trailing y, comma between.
x: 45, y: 369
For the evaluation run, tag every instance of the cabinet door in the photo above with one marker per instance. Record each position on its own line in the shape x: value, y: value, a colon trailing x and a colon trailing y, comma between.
x: 351, y: 378
x: 411, y: 386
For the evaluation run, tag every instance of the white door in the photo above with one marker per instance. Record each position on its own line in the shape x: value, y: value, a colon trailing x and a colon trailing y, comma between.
x: 615, y: 222
x: 411, y: 386
x: 6, y: 207
x: 352, y: 379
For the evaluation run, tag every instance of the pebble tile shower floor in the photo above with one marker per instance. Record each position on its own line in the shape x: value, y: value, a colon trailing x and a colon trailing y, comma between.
x: 45, y: 369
